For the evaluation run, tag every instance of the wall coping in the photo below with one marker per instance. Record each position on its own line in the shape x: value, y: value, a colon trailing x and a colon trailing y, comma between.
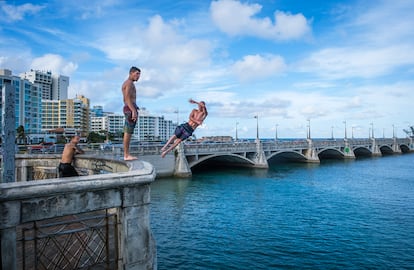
x: 140, y: 172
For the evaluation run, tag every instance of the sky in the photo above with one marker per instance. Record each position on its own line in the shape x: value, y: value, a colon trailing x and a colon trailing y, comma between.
x: 330, y: 65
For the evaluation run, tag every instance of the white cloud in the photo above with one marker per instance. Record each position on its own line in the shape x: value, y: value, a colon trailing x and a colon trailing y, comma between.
x: 157, y: 45
x: 357, y: 62
x: 257, y: 66
x: 54, y: 63
x: 235, y: 18
x: 17, y: 13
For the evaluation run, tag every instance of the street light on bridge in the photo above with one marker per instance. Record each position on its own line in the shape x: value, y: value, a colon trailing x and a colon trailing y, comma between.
x: 332, y: 136
x: 393, y: 131
x: 276, y: 132
x: 345, y: 136
x: 309, y: 130
x: 372, y: 130
x: 257, y: 126
x: 237, y: 123
x: 178, y: 115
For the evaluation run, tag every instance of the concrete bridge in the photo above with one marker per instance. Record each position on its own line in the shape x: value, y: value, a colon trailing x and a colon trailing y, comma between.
x: 258, y: 153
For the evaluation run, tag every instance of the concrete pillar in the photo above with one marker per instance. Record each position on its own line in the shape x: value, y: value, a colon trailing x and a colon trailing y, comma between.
x: 8, y: 132
x: 376, y: 152
x: 396, y: 147
x: 311, y: 154
x: 137, y: 241
x: 182, y: 169
x: 348, y: 152
x: 411, y: 144
x: 260, y: 159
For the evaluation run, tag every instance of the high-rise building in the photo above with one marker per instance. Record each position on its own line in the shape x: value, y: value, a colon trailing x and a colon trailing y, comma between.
x: 97, y: 111
x: 54, y: 87
x: 115, y: 122
x: 60, y: 85
x: 99, y: 123
x: 152, y: 128
x: 28, y: 103
x: 70, y: 114
x: 50, y: 115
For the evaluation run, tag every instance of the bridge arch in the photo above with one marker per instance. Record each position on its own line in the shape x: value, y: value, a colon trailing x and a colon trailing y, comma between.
x: 235, y: 159
x: 404, y: 148
x: 287, y: 155
x: 386, y: 149
x: 362, y: 151
x: 330, y: 153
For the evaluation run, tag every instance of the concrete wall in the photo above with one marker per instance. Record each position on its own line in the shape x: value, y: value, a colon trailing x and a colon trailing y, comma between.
x: 128, y: 191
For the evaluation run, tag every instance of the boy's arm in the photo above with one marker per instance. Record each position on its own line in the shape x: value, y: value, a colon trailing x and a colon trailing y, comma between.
x: 78, y: 150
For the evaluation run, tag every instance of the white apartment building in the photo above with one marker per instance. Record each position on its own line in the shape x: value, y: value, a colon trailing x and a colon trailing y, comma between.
x: 149, y: 128
x: 60, y: 85
x: 98, y: 123
x: 54, y: 87
x: 115, y: 122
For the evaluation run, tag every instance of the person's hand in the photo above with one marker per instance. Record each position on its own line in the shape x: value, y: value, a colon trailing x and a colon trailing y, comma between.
x: 191, y: 100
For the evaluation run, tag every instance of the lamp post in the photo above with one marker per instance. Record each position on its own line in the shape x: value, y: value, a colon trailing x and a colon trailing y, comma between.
x: 372, y: 130
x: 345, y: 135
x: 393, y: 131
x: 257, y: 126
x: 276, y: 132
x: 332, y: 136
x: 309, y: 130
x: 177, y: 112
x: 353, y: 132
x: 237, y: 123
x: 383, y: 133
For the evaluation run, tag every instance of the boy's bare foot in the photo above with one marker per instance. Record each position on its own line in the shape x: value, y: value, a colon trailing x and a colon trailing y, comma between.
x: 163, y: 154
x: 130, y: 158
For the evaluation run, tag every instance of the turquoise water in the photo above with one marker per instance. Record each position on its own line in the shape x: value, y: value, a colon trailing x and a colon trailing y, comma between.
x: 336, y: 215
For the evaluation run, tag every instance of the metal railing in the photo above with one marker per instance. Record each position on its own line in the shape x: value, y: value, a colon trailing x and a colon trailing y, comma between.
x: 82, y: 241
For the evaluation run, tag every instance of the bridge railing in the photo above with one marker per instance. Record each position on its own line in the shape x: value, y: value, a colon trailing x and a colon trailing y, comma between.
x: 209, y: 148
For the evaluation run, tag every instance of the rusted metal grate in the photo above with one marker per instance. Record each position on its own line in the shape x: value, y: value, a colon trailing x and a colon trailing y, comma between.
x: 86, y: 241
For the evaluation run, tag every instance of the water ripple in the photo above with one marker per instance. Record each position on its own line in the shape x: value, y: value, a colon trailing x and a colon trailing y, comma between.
x: 353, y: 215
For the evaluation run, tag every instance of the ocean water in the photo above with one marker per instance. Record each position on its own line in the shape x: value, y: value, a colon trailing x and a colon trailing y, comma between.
x: 336, y: 215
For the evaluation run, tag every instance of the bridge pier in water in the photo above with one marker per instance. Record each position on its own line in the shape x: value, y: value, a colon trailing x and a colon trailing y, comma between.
x: 182, y: 169
x: 376, y: 152
x: 310, y: 153
x: 395, y: 147
x: 260, y: 159
x: 348, y: 152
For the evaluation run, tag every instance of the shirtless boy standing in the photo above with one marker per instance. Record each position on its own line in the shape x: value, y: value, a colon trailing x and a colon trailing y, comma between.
x: 183, y: 131
x: 130, y: 109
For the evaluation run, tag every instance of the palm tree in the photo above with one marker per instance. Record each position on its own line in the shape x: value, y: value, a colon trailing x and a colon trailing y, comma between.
x: 20, y: 134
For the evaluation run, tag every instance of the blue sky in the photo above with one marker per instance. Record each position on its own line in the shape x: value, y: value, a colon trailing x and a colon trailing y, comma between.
x: 291, y: 62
